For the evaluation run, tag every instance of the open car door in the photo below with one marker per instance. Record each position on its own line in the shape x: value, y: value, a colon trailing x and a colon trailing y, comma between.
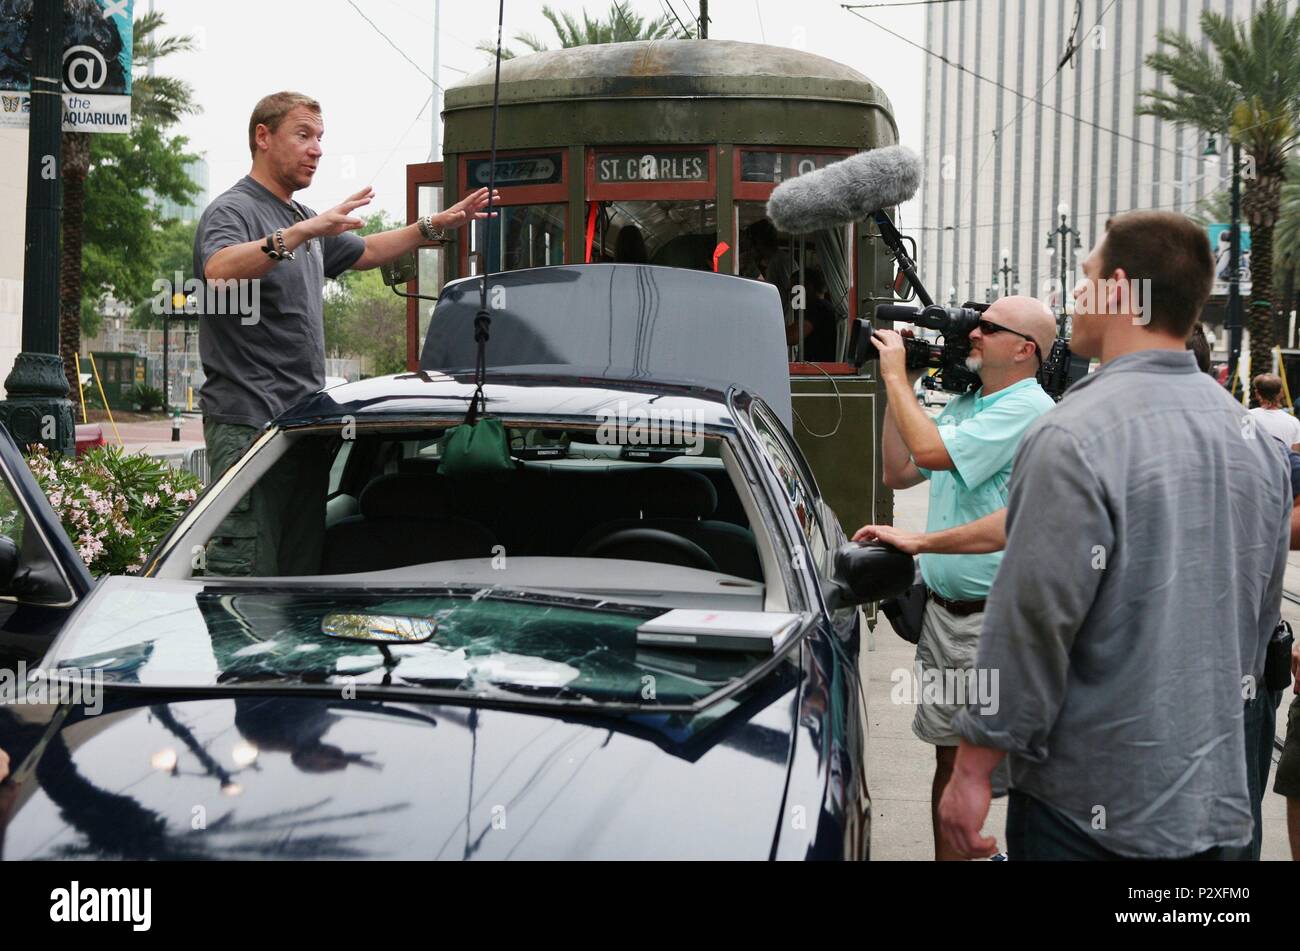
x: 42, y: 578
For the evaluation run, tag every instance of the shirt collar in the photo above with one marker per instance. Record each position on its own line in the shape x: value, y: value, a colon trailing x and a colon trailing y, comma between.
x: 261, y: 189
x: 982, y: 401
x: 1145, y: 361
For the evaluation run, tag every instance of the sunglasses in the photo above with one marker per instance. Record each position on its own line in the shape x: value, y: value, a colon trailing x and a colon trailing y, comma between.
x: 988, y: 327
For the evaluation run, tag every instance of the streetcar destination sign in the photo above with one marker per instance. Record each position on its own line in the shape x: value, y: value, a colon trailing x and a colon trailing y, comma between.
x: 664, y: 166
x: 517, y: 170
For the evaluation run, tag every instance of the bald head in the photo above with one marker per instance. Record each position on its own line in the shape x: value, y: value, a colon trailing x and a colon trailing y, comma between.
x: 1028, y: 315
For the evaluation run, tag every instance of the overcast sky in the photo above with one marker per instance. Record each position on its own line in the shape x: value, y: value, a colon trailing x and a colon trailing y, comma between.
x: 371, y: 95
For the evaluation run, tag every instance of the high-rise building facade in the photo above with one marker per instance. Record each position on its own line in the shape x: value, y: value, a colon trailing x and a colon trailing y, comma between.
x: 1018, y: 132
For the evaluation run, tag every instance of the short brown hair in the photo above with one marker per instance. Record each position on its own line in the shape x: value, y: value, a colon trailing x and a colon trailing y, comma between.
x: 1170, y: 251
x: 1268, y: 386
x: 271, y: 110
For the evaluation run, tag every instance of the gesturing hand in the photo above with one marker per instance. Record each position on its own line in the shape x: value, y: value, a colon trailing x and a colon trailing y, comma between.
x: 4, y: 765
x: 471, y: 206
x: 340, y: 218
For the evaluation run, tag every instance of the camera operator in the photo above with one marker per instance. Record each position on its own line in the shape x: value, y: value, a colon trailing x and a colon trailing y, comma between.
x: 967, y: 458
x: 1128, y: 655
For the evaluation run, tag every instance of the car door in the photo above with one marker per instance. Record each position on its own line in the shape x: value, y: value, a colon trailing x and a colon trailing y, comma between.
x: 42, y: 578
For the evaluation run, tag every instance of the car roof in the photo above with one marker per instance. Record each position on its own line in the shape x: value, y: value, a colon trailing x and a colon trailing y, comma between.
x: 513, y: 392
x: 621, y: 322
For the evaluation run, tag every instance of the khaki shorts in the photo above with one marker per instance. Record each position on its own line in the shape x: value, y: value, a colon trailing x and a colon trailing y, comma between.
x: 948, y: 642
x: 1287, y: 781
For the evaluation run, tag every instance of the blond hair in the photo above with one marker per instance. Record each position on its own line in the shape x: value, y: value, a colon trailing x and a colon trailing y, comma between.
x: 271, y: 110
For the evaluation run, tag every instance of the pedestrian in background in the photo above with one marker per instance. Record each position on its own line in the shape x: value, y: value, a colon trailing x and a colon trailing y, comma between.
x: 1146, y: 539
x: 1269, y: 414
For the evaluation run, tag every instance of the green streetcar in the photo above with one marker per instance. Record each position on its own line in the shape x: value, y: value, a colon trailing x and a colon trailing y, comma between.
x: 665, y: 152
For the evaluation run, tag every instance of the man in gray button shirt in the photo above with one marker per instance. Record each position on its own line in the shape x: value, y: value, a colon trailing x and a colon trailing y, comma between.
x: 262, y: 337
x: 1147, y: 534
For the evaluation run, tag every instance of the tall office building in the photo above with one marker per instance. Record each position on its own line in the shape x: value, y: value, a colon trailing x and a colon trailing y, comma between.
x: 1001, y: 159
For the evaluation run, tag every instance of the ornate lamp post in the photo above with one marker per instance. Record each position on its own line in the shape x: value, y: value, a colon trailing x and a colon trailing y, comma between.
x: 1061, y: 235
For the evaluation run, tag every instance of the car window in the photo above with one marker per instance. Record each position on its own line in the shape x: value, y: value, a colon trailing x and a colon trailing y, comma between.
x: 798, y: 487
x: 339, y: 465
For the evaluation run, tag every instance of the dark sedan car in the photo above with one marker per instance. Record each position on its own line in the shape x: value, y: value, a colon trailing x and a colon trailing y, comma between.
x: 463, y: 676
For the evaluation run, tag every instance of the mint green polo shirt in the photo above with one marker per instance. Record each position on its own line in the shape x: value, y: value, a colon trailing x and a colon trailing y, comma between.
x: 981, y: 434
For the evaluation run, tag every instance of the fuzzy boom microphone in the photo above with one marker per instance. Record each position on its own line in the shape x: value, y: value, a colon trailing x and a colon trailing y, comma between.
x: 845, y: 191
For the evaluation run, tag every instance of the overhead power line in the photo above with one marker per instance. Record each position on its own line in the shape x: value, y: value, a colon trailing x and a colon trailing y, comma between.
x: 400, y: 52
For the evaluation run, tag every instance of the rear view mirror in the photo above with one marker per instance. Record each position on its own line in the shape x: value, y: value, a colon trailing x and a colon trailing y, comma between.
x: 400, y: 270
x: 378, y: 628
x: 874, y: 572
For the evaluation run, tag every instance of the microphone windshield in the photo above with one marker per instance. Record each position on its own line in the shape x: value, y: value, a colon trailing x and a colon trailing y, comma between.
x: 846, y: 191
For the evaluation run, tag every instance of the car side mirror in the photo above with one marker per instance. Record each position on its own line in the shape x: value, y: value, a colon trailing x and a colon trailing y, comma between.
x: 401, y: 270
x: 871, y: 572
x: 12, y: 574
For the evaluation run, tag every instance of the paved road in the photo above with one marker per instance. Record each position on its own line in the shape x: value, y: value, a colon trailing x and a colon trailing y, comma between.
x: 901, y: 766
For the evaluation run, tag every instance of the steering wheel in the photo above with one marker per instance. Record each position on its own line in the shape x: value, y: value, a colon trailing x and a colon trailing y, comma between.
x: 650, y: 544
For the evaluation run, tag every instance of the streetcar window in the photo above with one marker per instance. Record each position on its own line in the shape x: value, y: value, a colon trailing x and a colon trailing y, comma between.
x: 766, y: 254
x: 534, y: 237
x: 668, y: 233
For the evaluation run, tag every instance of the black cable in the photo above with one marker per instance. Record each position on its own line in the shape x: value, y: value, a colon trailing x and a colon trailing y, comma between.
x: 1005, y: 88
x: 394, y: 45
x: 483, y: 320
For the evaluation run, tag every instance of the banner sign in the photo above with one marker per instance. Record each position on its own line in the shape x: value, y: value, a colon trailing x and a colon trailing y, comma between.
x: 1221, y: 244
x: 96, y: 67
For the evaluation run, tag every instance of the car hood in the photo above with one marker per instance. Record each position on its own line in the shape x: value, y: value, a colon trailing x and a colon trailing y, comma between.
x: 303, y: 777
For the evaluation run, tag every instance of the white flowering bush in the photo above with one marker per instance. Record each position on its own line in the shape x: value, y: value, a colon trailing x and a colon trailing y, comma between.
x: 115, y: 506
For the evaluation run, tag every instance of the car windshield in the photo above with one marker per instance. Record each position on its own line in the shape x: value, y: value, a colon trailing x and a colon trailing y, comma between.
x: 187, y: 634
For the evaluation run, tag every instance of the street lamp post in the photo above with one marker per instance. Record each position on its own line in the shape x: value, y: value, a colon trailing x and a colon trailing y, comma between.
x: 1007, y: 271
x: 37, y: 408
x: 1061, y: 235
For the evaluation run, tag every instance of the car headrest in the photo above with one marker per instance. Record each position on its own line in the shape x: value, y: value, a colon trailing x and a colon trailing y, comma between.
x: 406, y: 495
x: 670, y: 493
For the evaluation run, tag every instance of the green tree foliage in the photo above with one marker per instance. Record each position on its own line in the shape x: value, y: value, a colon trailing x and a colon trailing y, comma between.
x: 620, y: 25
x: 124, y: 240
x: 364, y: 318
x: 1244, y: 84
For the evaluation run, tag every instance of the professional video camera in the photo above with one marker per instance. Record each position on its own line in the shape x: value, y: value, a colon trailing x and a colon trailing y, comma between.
x: 1059, y: 370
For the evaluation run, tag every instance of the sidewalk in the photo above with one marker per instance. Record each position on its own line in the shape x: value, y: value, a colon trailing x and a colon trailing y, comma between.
x: 901, y: 767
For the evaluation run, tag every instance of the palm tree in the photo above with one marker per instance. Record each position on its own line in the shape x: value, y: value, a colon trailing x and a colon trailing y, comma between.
x: 619, y: 26
x: 1286, y: 238
x: 158, y: 100
x: 1245, y: 84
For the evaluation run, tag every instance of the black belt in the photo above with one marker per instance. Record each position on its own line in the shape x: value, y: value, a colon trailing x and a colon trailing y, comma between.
x: 959, y: 608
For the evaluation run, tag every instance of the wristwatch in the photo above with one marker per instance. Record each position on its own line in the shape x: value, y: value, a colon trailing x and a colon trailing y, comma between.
x: 429, y: 232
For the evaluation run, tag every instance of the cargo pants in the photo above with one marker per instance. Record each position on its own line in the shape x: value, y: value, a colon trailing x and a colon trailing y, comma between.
x: 278, y: 528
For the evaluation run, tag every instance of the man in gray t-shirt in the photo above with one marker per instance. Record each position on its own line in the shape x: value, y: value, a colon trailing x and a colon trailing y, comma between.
x: 264, y: 259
